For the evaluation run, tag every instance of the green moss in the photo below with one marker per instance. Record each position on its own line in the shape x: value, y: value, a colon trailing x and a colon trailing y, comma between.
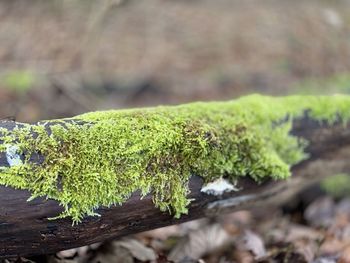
x: 337, y: 83
x: 337, y: 185
x: 112, y: 154
x: 20, y: 81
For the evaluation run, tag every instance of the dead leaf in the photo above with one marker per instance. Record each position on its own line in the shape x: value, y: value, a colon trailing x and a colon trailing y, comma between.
x: 124, y: 250
x: 161, y: 233
x: 243, y: 256
x: 321, y: 212
x: 249, y: 241
x: 296, y: 232
x: 79, y: 254
x: 137, y: 249
x: 200, y: 242
x: 306, y: 247
x: 173, y: 231
x: 284, y: 252
x: 234, y: 222
x: 345, y: 255
x: 345, y: 233
x: 74, y: 252
x: 325, y: 260
x: 331, y: 246
x: 343, y: 207
x: 115, y: 254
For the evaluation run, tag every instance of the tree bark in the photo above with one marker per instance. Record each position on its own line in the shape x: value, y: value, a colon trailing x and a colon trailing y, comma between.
x: 25, y: 229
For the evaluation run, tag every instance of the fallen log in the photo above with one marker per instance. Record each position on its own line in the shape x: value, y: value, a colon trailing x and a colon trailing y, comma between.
x: 26, y: 227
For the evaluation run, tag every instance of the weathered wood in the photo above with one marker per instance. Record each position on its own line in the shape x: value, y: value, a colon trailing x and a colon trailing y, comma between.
x: 25, y: 229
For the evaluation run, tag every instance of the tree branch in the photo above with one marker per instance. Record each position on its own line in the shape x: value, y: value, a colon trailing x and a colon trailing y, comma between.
x: 25, y: 229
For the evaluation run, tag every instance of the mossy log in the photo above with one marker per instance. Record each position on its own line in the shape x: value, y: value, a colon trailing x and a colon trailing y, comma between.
x: 36, y: 227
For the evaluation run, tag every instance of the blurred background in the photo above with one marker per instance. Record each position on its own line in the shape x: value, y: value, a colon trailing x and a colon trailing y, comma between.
x: 59, y: 58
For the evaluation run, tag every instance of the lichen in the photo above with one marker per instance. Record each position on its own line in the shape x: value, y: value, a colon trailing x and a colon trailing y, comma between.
x: 99, y: 159
x: 218, y: 187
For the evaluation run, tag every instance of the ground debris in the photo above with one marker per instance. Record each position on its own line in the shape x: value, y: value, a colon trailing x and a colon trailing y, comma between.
x: 320, y: 235
x: 200, y: 242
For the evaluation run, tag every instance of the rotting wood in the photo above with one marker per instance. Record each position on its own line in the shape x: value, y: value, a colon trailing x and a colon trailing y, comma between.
x: 25, y: 229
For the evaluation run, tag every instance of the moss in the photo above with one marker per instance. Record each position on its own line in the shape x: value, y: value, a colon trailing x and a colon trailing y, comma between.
x: 20, y: 81
x: 337, y: 185
x: 337, y: 83
x: 112, y: 154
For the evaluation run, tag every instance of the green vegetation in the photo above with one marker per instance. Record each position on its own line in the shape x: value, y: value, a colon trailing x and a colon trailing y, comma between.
x: 101, y: 158
x: 338, y: 83
x: 337, y: 185
x: 20, y: 81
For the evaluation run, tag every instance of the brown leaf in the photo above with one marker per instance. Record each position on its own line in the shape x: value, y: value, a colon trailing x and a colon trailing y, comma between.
x: 296, y: 232
x: 307, y: 248
x: 284, y: 252
x: 331, y: 246
x: 124, y: 250
x: 70, y: 253
x: 249, y: 241
x: 137, y: 249
x: 161, y: 233
x: 172, y: 231
x: 343, y: 207
x: 200, y: 242
x: 321, y: 212
x: 345, y: 255
x: 115, y: 254
x: 243, y: 256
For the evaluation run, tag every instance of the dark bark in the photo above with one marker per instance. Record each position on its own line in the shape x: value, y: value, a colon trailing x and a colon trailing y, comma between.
x: 25, y: 229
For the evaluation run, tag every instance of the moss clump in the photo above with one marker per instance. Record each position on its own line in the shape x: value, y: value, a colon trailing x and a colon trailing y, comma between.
x: 337, y: 185
x: 20, y: 81
x: 101, y: 158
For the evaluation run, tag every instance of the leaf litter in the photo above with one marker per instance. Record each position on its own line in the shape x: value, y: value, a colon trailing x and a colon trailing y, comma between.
x: 320, y: 235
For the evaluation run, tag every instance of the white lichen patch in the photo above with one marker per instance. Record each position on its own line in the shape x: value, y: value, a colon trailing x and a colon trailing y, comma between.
x: 218, y: 187
x: 12, y: 156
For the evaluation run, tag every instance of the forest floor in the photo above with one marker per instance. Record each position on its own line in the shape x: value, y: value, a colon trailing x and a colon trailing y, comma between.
x: 314, y: 229
x: 61, y: 58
